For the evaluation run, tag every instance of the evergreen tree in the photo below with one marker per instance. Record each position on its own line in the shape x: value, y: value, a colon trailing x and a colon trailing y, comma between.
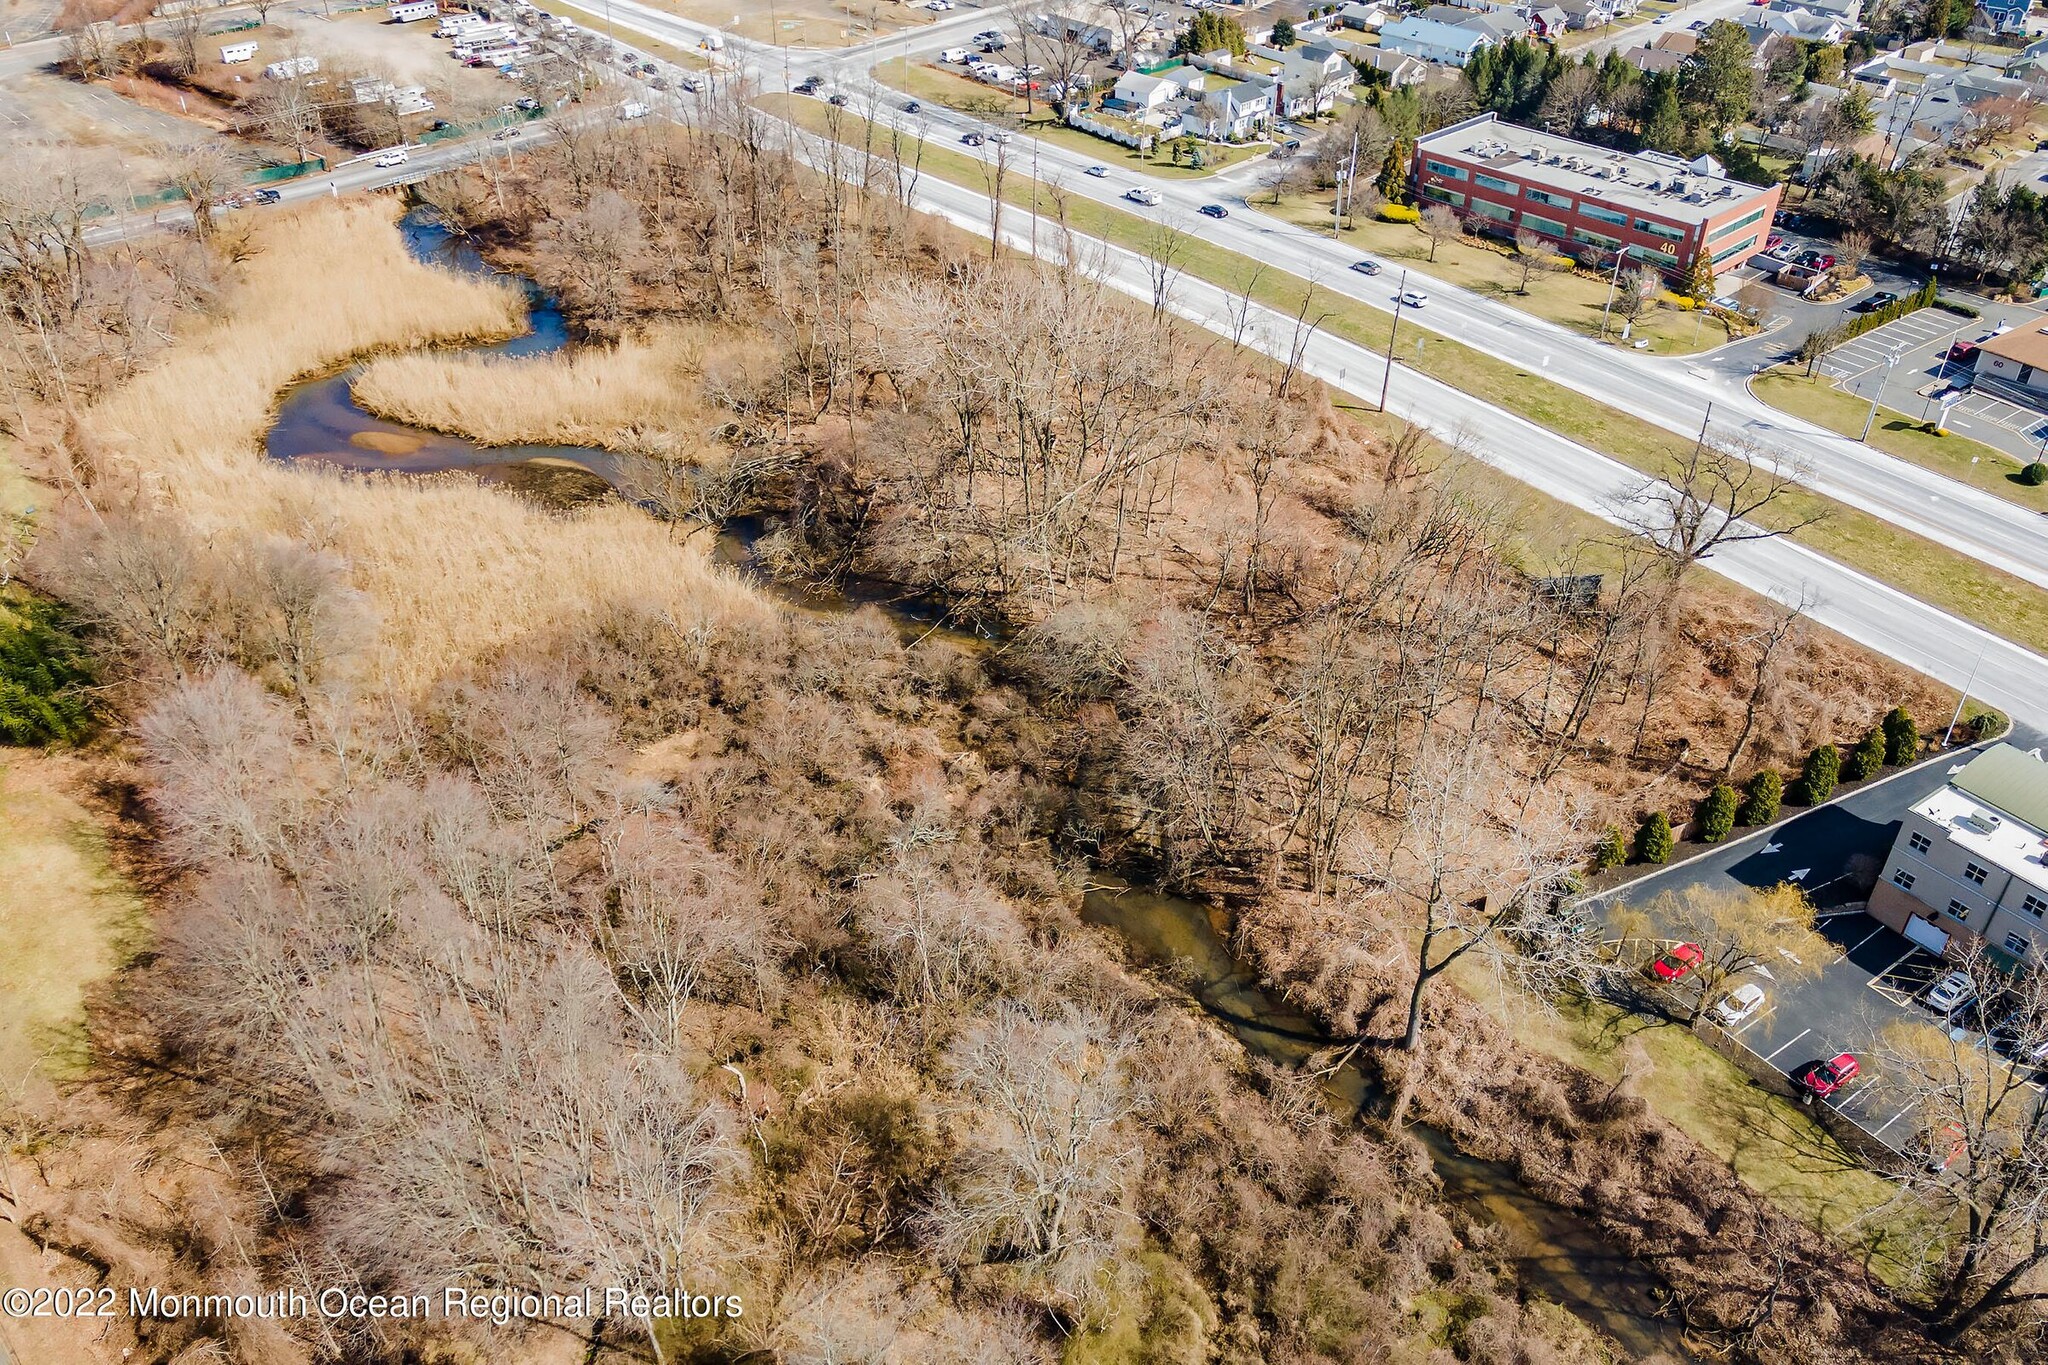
x: 1901, y: 737
x: 1211, y: 32
x: 1760, y: 800
x: 1654, y: 841
x: 1866, y: 758
x: 1817, y: 777
x: 1393, y: 180
x: 1610, y: 851
x: 1283, y: 33
x: 1717, y: 813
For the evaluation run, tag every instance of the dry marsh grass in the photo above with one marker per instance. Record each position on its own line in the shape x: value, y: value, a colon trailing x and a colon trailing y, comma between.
x: 648, y: 394
x: 454, y: 571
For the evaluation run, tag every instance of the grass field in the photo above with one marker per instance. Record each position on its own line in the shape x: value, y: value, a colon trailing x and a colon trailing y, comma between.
x: 66, y: 916
x: 1939, y: 576
x: 1897, y: 433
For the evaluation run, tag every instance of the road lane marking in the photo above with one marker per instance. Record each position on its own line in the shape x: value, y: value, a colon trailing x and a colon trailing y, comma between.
x: 1787, y: 1043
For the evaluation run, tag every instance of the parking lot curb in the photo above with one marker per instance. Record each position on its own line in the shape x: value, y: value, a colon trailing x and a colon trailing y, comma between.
x: 1709, y: 850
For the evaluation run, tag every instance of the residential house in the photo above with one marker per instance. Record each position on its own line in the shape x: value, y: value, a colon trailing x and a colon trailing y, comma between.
x: 1432, y: 41
x: 1547, y: 21
x: 2015, y: 365
x: 1769, y: 49
x: 1396, y: 70
x: 1799, y: 23
x: 1227, y: 111
x: 1081, y: 27
x: 1684, y: 44
x: 1652, y: 59
x: 1310, y: 79
x: 1367, y: 18
x: 1587, y: 14
x: 1846, y: 12
x: 1970, y: 862
x: 2001, y: 16
x: 1498, y: 24
x: 1137, y: 94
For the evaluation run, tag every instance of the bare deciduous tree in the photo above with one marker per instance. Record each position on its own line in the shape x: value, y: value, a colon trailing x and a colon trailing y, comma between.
x: 1441, y: 224
x: 1721, y: 491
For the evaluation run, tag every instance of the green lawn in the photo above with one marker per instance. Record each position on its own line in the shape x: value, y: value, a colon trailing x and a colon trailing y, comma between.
x: 1644, y: 16
x: 1897, y: 433
x: 1568, y: 298
x: 1939, y: 576
x: 935, y: 85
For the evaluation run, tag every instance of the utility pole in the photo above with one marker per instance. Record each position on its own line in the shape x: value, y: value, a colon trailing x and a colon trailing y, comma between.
x: 1347, y: 170
x: 1957, y: 718
x: 1386, y: 380
x: 1871, y: 420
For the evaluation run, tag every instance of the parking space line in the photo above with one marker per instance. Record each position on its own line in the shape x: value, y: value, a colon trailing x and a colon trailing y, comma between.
x: 1878, y: 1132
x: 1754, y: 1022
x: 1787, y: 1043
x: 1865, y: 939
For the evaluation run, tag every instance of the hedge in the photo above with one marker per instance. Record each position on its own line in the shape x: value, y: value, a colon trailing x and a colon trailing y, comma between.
x: 2034, y: 475
x: 1818, y: 775
x: 1866, y: 758
x: 1716, y: 813
x: 1399, y: 213
x: 1956, y: 306
x: 1891, y: 312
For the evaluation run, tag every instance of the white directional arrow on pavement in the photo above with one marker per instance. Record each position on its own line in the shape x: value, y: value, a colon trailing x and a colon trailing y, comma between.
x: 1954, y: 768
x: 1797, y: 874
x: 1772, y: 848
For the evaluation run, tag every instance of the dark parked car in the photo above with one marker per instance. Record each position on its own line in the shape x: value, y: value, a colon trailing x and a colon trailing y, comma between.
x: 269, y: 197
x: 1876, y: 301
x: 809, y: 85
x: 1213, y: 211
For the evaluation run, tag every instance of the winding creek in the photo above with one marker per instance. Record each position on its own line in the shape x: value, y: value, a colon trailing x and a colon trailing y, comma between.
x: 1558, y: 1254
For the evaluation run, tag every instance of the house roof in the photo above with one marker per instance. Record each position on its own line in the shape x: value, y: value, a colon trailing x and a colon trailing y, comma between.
x: 1647, y: 59
x: 1497, y: 24
x: 2029, y: 346
x: 1684, y: 44
x: 1454, y: 36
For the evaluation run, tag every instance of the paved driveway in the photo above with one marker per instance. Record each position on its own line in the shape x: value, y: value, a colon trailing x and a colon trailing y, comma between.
x: 1874, y: 974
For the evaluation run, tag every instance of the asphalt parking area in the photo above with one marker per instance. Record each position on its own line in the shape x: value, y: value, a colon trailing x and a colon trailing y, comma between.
x: 1904, y: 979
x: 1983, y: 407
x: 1905, y: 335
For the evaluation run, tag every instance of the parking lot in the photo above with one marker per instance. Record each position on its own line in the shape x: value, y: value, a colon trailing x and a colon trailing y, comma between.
x: 1875, y: 977
x: 1920, y: 379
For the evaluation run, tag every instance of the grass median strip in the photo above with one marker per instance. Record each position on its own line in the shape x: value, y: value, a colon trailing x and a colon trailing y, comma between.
x: 1944, y: 578
x: 1897, y: 433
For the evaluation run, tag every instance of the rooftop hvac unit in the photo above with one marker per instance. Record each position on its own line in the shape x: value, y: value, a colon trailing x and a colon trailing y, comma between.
x: 1655, y: 187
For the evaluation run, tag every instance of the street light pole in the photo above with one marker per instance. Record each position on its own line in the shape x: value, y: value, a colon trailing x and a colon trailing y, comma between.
x: 1613, y: 282
x: 1386, y: 380
x: 1871, y: 420
x: 1957, y: 718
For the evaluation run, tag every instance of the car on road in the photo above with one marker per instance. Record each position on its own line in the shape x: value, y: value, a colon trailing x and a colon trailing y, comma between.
x: 1951, y: 993
x: 504, y: 135
x: 395, y: 157
x: 1148, y: 198
x: 1739, y: 1004
x: 972, y: 139
x: 1366, y: 267
x: 989, y: 35
x: 1097, y: 171
x: 1822, y: 1079
x: 1696, y: 25
x: 1677, y: 964
x: 1000, y: 136
x: 269, y: 197
x: 1880, y: 299
x: 1213, y: 211
x: 1414, y: 298
x: 809, y: 85
x: 836, y: 99
x: 912, y: 107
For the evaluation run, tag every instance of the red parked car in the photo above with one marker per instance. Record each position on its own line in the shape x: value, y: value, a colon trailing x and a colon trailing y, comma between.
x: 1825, y: 1078
x: 1677, y: 964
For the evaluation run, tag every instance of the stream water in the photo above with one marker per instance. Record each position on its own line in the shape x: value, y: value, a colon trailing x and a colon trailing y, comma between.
x: 1558, y: 1254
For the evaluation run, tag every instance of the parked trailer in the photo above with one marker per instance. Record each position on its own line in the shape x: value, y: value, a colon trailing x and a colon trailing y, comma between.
x: 487, y: 36
x: 290, y: 67
x: 498, y: 54
x: 455, y: 25
x: 231, y: 53
x: 412, y: 11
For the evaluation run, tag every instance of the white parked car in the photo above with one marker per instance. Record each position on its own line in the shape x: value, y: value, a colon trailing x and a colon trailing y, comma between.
x: 1148, y: 198
x: 395, y: 157
x: 1951, y: 993
x: 1739, y: 1004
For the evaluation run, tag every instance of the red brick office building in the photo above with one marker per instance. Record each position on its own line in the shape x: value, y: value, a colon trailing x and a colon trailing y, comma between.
x: 1591, y: 201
